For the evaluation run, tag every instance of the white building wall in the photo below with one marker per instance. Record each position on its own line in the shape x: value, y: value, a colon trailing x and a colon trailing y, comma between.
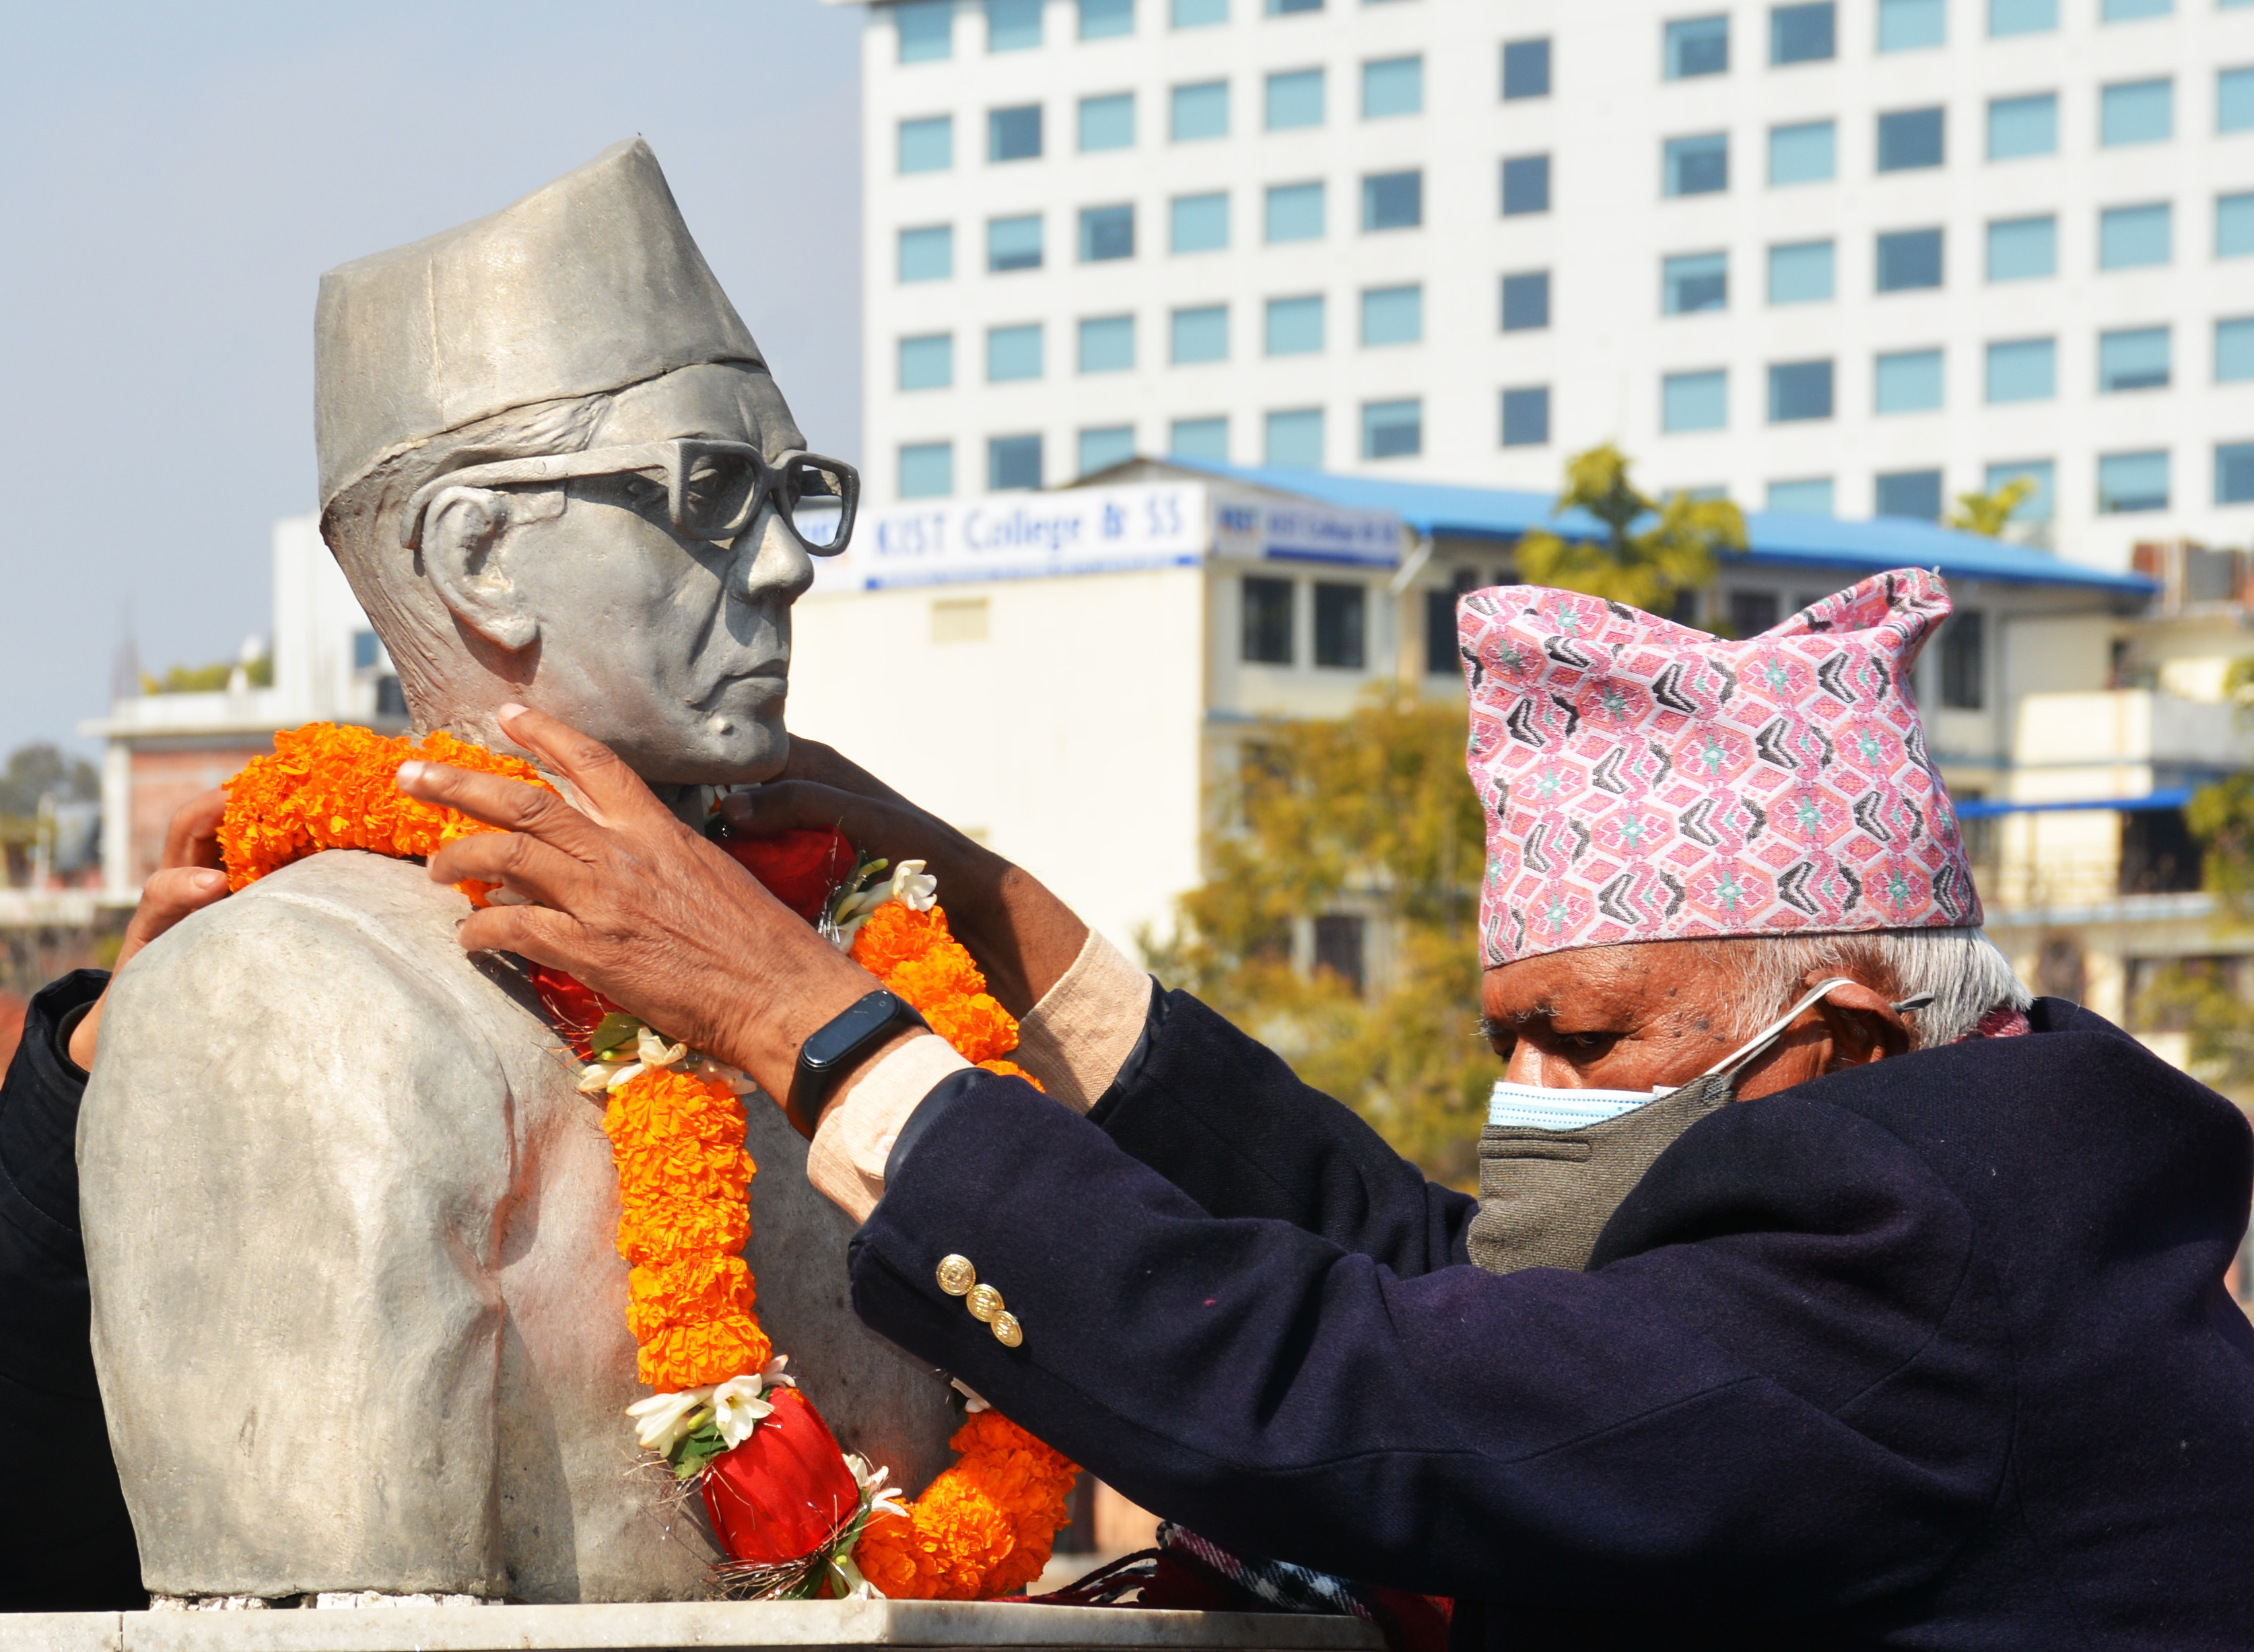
x: 1608, y: 345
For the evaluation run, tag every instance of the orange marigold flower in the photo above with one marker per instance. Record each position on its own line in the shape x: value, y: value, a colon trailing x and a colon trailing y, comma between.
x: 893, y: 934
x: 946, y: 972
x: 687, y: 1291
x: 979, y: 1028
x: 657, y: 1230
x: 691, y: 1355
x: 1011, y: 1069
x: 662, y: 1107
x: 984, y: 1528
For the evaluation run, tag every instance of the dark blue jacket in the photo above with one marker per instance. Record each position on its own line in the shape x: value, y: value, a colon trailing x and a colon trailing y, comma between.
x: 1929, y: 1352
x: 66, y: 1541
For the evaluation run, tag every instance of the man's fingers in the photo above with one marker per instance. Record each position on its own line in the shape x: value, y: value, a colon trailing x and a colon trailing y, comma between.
x: 531, y: 931
x: 169, y: 896
x: 612, y: 792
x: 781, y: 805
x: 826, y: 766
x: 497, y: 801
x: 526, y: 864
x: 192, y: 835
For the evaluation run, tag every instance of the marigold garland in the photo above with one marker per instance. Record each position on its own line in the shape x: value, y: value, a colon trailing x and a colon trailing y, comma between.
x: 985, y: 1526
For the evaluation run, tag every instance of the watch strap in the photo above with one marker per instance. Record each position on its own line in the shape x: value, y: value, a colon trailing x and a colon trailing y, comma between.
x: 833, y: 1048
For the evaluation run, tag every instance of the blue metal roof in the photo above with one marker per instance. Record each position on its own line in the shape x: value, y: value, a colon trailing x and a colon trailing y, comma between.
x: 1775, y: 539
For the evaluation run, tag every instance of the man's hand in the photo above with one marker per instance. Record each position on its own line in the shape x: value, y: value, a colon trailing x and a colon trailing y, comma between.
x: 637, y: 906
x: 187, y: 880
x: 1022, y: 935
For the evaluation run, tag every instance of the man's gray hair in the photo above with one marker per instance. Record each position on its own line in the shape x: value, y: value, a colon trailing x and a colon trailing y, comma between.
x: 1961, y: 969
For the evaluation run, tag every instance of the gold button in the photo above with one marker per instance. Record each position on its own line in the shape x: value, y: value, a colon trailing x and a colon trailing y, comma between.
x: 956, y: 1276
x: 1007, y: 1331
x: 984, y: 1302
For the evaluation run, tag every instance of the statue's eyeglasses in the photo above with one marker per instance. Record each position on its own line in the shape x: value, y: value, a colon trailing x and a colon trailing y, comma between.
x: 713, y: 490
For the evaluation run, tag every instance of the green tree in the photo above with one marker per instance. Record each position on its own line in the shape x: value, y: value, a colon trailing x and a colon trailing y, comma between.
x: 2194, y: 996
x: 32, y: 772
x: 1679, y: 550
x: 1373, y: 814
x: 1990, y: 513
x: 208, y: 679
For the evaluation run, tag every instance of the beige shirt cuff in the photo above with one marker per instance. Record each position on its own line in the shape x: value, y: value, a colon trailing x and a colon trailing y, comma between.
x: 1077, y: 1038
x: 846, y: 1162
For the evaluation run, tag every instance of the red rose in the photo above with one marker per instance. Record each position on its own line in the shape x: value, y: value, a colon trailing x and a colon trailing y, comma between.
x: 778, y: 1496
x: 800, y: 867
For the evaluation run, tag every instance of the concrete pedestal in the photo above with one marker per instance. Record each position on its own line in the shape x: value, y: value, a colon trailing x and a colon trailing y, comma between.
x: 820, y: 1626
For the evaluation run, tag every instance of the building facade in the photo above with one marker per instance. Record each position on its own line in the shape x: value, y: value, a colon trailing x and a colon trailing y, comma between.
x: 1852, y: 257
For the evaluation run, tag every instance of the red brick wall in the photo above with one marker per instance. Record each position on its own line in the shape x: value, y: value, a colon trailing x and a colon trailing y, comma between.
x: 164, y: 780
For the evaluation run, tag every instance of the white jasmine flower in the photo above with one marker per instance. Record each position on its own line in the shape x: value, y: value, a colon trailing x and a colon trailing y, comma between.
x: 973, y: 1403
x: 656, y: 1052
x: 737, y: 1408
x: 914, y: 887
x: 595, y: 1077
x: 774, y: 1376
x: 619, y: 1075
x: 662, y: 1418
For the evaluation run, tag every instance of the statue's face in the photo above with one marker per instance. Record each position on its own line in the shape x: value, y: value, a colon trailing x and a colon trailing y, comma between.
x: 675, y: 652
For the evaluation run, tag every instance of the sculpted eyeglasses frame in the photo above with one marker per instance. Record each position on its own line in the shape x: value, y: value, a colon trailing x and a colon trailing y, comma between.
x: 713, y: 489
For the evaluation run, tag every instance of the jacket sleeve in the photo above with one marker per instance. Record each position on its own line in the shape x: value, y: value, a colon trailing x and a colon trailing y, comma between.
x: 1542, y: 1436
x: 1219, y: 1115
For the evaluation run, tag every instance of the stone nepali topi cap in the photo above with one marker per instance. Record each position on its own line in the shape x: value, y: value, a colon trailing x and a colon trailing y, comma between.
x: 1645, y: 782
x: 590, y: 284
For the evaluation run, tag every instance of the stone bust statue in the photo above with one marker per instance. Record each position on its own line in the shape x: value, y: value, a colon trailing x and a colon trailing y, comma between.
x: 357, y: 1315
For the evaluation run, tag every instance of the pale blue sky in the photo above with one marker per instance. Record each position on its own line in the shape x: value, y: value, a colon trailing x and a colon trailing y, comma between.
x: 177, y: 178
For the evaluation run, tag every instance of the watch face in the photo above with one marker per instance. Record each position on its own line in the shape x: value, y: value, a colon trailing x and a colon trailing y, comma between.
x: 834, y: 1041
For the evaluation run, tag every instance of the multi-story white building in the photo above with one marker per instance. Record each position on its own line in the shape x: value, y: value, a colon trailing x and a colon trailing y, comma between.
x: 1847, y: 257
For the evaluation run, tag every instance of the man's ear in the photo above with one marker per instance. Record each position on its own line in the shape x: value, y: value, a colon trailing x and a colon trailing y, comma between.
x: 463, y: 554
x: 1864, y: 1025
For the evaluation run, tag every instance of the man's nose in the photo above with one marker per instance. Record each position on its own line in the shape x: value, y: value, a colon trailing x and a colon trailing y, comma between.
x: 1525, y: 1064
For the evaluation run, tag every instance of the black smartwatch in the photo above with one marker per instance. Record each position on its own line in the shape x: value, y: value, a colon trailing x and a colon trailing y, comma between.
x: 858, y: 1028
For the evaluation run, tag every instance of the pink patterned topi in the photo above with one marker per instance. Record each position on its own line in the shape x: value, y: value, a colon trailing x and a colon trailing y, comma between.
x: 1644, y: 781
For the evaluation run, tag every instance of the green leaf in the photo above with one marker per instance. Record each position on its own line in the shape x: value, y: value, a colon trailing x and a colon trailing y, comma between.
x: 615, y: 1029
x: 697, y: 1447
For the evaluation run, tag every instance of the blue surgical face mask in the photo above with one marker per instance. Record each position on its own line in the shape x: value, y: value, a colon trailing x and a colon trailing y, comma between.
x: 1538, y: 1106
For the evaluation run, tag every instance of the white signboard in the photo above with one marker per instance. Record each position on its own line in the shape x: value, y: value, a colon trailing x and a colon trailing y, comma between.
x: 1097, y: 531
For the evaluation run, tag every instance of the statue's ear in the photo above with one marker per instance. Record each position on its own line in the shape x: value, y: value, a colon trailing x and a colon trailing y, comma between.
x: 463, y: 553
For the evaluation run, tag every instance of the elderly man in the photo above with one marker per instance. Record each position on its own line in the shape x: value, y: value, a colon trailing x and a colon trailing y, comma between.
x: 1824, y: 1291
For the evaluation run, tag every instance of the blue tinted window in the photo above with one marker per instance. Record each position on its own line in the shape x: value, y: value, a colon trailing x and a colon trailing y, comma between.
x: 1525, y: 69
x: 1197, y: 14
x: 927, y: 254
x: 1698, y: 46
x: 2021, y: 17
x: 2038, y: 474
x: 2133, y: 359
x: 1200, y: 438
x: 1912, y: 494
x: 926, y: 30
x: 1013, y: 353
x: 2132, y: 482
x: 1526, y: 301
x: 2234, y: 100
x: 1525, y: 184
x: 1286, y: 8
x: 1294, y: 325
x: 1695, y: 282
x: 2137, y: 112
x: 927, y: 145
x: 1106, y: 344
x: 1199, y: 112
x: 2233, y: 351
x: 1390, y: 430
x: 1107, y: 122
x: 1811, y: 496
x: 367, y: 648
x: 1101, y: 19
x: 927, y: 470
x: 1197, y: 223
x: 1800, y: 272
x: 1013, y: 25
x: 1294, y: 99
x: 927, y: 363
x: 1803, y: 154
x: 1293, y: 440
x: 2234, y: 473
x: 1106, y: 233
x: 1392, y: 201
x: 1907, y: 382
x: 2130, y: 10
x: 1799, y: 390
x: 2132, y: 237
x: 1526, y: 417
x: 1802, y: 33
x: 1101, y: 449
x: 1907, y: 26
x: 2234, y: 226
x: 1696, y: 165
x: 1293, y: 212
x: 2019, y: 127
x: 1908, y: 259
x: 2023, y: 370
x: 1013, y: 243
x: 2022, y: 249
x: 1200, y: 335
x: 1909, y: 139
x: 1014, y: 134
x: 1394, y: 86
x: 1393, y: 315
x: 1694, y: 402
x: 1013, y: 462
